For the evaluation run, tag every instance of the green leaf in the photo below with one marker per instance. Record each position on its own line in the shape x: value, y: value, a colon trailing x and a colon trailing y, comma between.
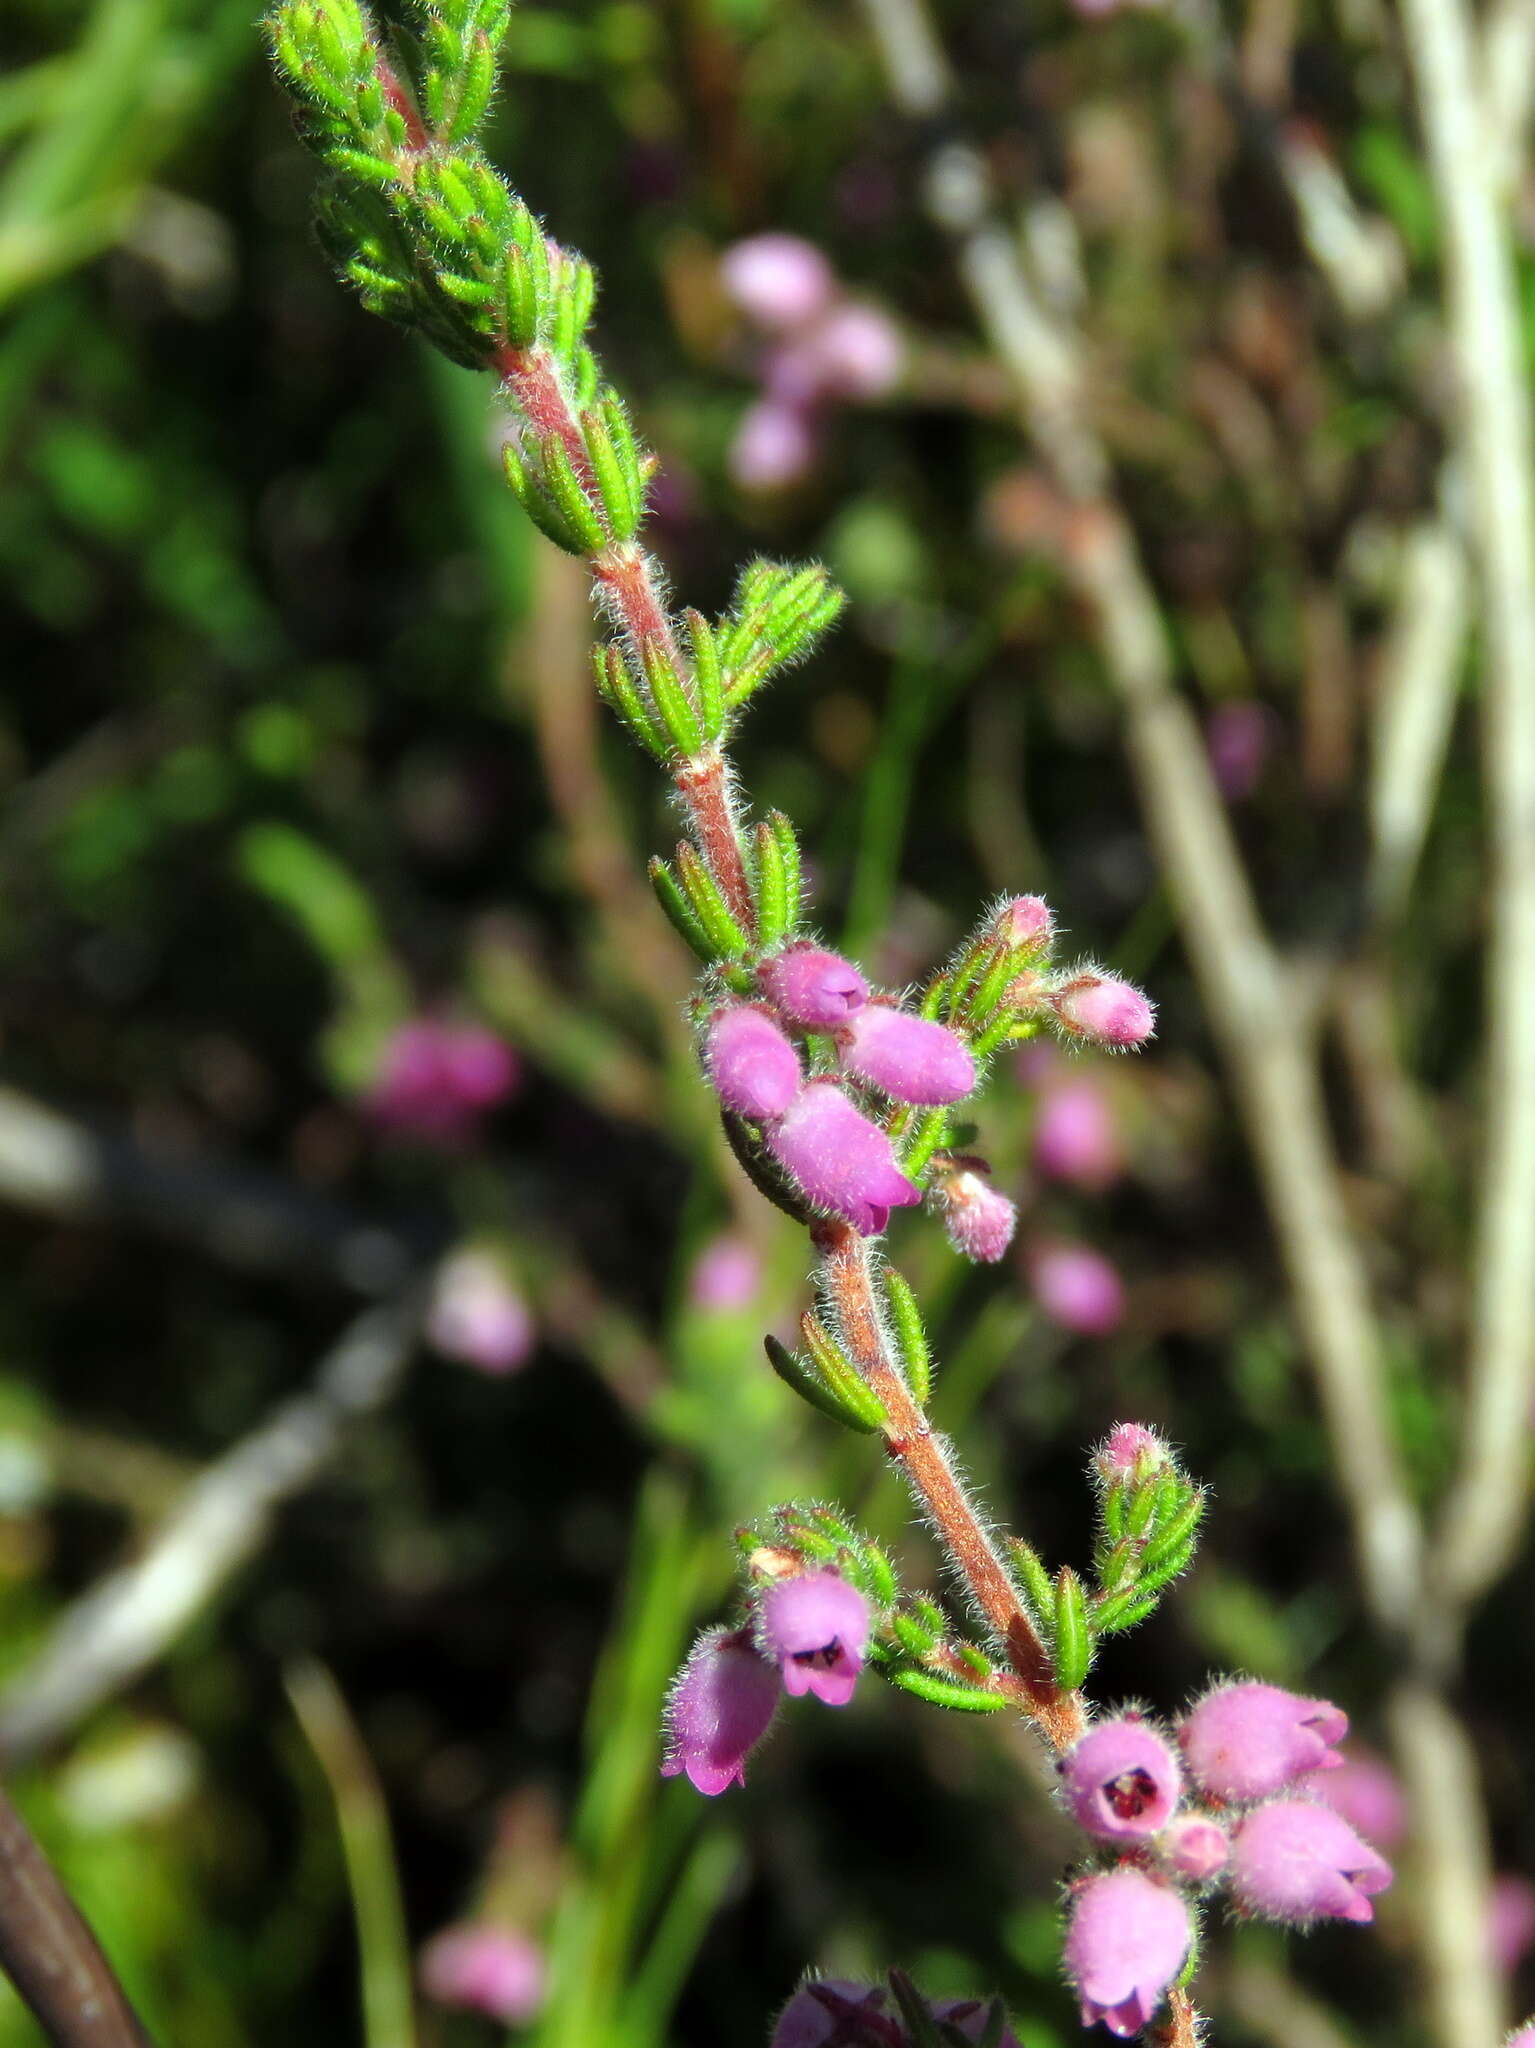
x: 799, y: 1374
x: 709, y: 905
x: 618, y: 690
x: 1073, y: 1642
x: 669, y: 693
x: 910, y: 1336
x: 1037, y: 1584
x: 569, y: 494
x: 839, y: 1372
x: 681, y: 914
x: 946, y: 1692
x: 917, y: 1640
x: 1119, y: 1611
x: 1176, y: 1533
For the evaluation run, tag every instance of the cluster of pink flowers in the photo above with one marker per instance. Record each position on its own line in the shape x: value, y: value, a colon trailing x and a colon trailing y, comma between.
x: 807, y: 1634
x: 819, y: 348
x: 438, y: 1080
x: 1225, y: 1800
x: 832, y: 2013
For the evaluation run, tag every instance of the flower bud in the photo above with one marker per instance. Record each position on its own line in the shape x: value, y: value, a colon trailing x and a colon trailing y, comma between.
x: 753, y: 1066
x: 816, y: 1627
x: 1074, y: 1136
x: 1365, y: 1791
x: 1295, y: 1860
x: 1121, y: 1781
x: 487, y: 1969
x: 1195, y: 1846
x: 1077, y: 1288
x: 1130, y: 1451
x: 814, y: 989
x: 721, y: 1703
x: 1025, y: 922
x: 478, y: 1317
x: 908, y: 1057
x: 1126, y: 1943
x: 1104, y: 1009
x: 778, y: 280
x: 839, y: 1160
x: 979, y: 1219
x: 1249, y: 1740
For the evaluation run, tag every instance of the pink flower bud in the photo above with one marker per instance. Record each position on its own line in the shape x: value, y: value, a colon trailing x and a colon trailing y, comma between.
x: 1195, y: 1846
x: 778, y: 280
x: 908, y: 1057
x: 1126, y: 1943
x: 1295, y: 1860
x: 1130, y: 1451
x: 1510, y: 1920
x: 979, y: 1220
x: 816, y: 990
x: 839, y: 1160
x: 1074, y: 1136
x: 1247, y: 1741
x: 1026, y: 921
x: 1077, y: 1288
x: 486, y: 1969
x: 1121, y: 1781
x: 753, y: 1066
x: 775, y: 445
x: 478, y: 1317
x: 1104, y: 1009
x: 1365, y: 1791
x: 721, y: 1703
x: 726, y: 1275
x: 436, y: 1080
x: 857, y: 350
x: 816, y: 1627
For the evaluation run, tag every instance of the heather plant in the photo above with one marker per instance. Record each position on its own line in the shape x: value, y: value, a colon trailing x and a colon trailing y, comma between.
x: 842, y: 1102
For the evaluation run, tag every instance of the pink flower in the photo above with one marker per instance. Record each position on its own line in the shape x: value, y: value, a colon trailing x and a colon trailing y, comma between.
x: 722, y: 1701
x: 753, y: 1066
x: 775, y: 444
x: 486, y: 1969
x: 1026, y: 922
x: 1365, y: 1791
x: 1249, y: 1740
x: 908, y: 1057
x: 1121, y: 1781
x: 1295, y: 1860
x: 778, y: 280
x: 817, y: 1628
x: 1130, y: 1451
x: 839, y: 1160
x: 437, y: 1080
x: 978, y: 1218
x: 1074, y: 1135
x: 816, y: 990
x: 727, y: 1274
x: 857, y: 350
x: 1524, y: 2038
x: 1077, y: 1288
x: 1126, y: 1943
x: 1195, y: 1846
x: 1510, y: 1920
x: 478, y: 1317
x: 1104, y: 1009
x: 828, y: 2014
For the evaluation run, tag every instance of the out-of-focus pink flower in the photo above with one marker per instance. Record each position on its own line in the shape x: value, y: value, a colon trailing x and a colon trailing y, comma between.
x: 477, y: 1315
x: 839, y: 1160
x: 1510, y: 1920
x: 1248, y: 1740
x: 1074, y: 1135
x: 778, y: 280
x: 481, y: 1968
x: 727, y: 1274
x: 970, y: 2015
x: 436, y: 1080
x: 1239, y: 738
x: 857, y: 351
x: 817, y: 990
x: 1524, y: 2038
x: 1121, y: 1781
x: 1366, y: 1792
x: 911, y: 1058
x: 754, y: 1067
x: 722, y: 1702
x: 1077, y: 1288
x: 1104, y: 1009
x: 1296, y: 1860
x: 978, y: 1218
x: 1126, y: 1943
x: 775, y: 444
x: 816, y: 1627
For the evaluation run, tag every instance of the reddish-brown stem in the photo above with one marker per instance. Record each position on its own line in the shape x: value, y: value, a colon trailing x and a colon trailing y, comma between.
x: 914, y: 1447
x: 1183, y: 2023
x: 703, y: 783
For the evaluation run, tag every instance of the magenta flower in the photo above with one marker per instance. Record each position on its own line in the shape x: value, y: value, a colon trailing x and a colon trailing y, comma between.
x: 1121, y: 1781
x: 482, y: 1968
x: 437, y: 1080
x: 1130, y: 1451
x: 1249, y: 1740
x: 979, y: 1220
x: 778, y: 280
x: 726, y: 1275
x: 1296, y: 1860
x: 753, y: 1066
x: 721, y: 1704
x: 1195, y: 1846
x: 907, y: 1057
x: 1077, y: 1288
x: 1104, y: 1009
x: 1365, y: 1791
x: 477, y: 1315
x: 775, y: 444
x: 817, y: 990
x: 1126, y: 1943
x: 1074, y: 1136
x: 839, y: 1160
x: 816, y: 1628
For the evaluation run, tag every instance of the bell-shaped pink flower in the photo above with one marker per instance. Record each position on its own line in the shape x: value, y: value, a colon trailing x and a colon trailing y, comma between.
x: 1365, y: 1791
x: 778, y: 280
x: 1104, y: 1009
x: 908, y: 1057
x: 817, y: 990
x: 1121, y: 1780
x: 1126, y: 1943
x: 1296, y: 1860
x: 816, y: 1628
x: 1074, y: 1135
x: 721, y: 1703
x: 1249, y: 1740
x: 1077, y: 1288
x: 839, y: 1160
x: 1195, y: 1846
x: 753, y: 1066
x: 479, y: 1967
x: 978, y: 1218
